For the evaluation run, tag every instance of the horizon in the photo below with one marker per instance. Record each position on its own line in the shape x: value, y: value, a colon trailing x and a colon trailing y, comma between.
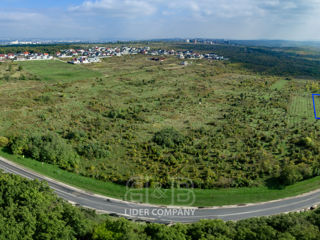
x: 106, y: 40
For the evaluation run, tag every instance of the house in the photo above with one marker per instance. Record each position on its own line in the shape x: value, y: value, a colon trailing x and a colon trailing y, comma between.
x: 181, y: 56
x: 21, y: 58
x: 94, y: 60
x: 11, y: 56
x: 2, y: 57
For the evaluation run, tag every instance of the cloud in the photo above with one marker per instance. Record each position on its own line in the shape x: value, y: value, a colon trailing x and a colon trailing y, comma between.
x: 245, y: 8
x: 16, y: 16
x: 143, y: 19
x: 199, y: 9
x: 116, y: 8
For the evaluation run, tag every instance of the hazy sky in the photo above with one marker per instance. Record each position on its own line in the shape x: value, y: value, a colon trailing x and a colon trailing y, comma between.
x: 145, y: 19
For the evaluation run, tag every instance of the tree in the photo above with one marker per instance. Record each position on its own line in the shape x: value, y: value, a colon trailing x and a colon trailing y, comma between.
x: 118, y: 229
x: 3, y: 141
x: 49, y: 148
x: 30, y: 210
x: 290, y: 175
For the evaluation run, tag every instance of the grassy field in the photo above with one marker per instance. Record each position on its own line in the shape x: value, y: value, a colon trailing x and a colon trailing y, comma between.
x: 58, y: 71
x: 213, y: 122
x: 301, y: 109
x: 202, y: 198
x: 280, y: 84
x: 317, y: 105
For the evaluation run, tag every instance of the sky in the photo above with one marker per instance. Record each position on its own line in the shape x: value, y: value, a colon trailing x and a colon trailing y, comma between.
x: 150, y: 19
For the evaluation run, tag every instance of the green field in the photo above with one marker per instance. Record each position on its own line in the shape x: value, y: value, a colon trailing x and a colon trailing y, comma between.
x: 58, y: 71
x: 301, y: 109
x: 215, y: 123
x: 280, y: 84
x: 317, y: 104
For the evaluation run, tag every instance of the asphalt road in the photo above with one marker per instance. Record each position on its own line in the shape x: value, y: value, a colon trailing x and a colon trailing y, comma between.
x: 166, y: 214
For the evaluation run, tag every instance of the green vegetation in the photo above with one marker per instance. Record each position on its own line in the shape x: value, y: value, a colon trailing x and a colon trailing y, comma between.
x: 52, y: 49
x: 212, y: 122
x: 215, y: 123
x: 29, y: 210
x: 57, y: 71
x: 278, y: 85
x: 241, y: 131
x: 49, y: 148
x: 301, y: 108
x: 303, y: 226
x: 203, y: 197
x: 299, y: 62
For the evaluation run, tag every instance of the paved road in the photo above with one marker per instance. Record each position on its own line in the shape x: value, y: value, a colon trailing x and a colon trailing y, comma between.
x: 165, y: 214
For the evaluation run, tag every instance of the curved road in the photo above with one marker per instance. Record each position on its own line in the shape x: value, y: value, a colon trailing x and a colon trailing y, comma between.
x: 165, y: 214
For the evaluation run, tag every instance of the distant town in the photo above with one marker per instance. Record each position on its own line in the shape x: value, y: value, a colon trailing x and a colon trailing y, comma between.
x: 95, y: 54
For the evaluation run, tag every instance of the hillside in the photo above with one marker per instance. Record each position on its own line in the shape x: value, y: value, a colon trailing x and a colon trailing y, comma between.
x: 217, y: 123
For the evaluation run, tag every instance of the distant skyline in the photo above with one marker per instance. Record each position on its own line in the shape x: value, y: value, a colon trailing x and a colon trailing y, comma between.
x: 149, y: 19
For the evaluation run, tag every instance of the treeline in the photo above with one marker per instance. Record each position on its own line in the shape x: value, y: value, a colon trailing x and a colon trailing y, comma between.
x: 50, y: 48
x: 263, y: 60
x: 304, y: 226
x: 30, y: 210
x: 52, y: 148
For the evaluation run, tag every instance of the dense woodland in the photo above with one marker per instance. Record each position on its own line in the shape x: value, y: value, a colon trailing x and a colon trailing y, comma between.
x: 301, y: 62
x: 51, y: 48
x: 29, y: 210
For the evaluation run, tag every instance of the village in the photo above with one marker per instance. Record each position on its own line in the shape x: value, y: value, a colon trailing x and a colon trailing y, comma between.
x: 95, y: 54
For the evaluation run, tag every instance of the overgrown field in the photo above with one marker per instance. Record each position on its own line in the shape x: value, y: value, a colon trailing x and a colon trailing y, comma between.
x: 215, y: 123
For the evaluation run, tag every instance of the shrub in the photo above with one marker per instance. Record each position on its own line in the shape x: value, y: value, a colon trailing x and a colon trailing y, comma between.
x: 290, y: 175
x: 76, y: 135
x: 18, y: 144
x: 93, y: 150
x: 4, y: 141
x: 169, y: 137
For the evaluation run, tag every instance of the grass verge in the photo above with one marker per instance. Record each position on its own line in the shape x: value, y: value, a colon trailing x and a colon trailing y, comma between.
x: 202, y: 197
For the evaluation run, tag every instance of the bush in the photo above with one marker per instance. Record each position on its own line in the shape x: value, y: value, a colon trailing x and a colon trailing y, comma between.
x: 93, y: 150
x: 290, y: 175
x: 4, y: 141
x: 169, y: 137
x: 49, y: 148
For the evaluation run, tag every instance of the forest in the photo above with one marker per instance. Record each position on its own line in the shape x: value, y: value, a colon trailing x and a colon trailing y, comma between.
x: 30, y: 210
x: 286, y: 61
